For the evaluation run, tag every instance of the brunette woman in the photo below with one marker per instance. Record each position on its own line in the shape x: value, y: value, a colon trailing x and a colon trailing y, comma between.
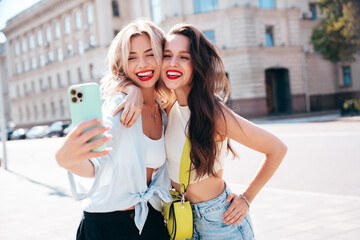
x: 192, y: 68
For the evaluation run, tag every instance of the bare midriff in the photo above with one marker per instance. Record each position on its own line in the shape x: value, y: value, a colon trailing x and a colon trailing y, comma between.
x: 149, y: 173
x: 204, y: 190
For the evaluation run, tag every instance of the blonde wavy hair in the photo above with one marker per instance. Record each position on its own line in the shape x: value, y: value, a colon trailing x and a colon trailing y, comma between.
x: 118, y: 55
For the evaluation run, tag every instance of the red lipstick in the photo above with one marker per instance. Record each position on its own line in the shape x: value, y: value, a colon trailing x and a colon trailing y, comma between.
x: 145, y: 75
x: 173, y: 74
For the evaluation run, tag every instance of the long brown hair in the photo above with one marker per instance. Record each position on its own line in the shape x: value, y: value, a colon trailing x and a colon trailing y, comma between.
x: 209, y: 83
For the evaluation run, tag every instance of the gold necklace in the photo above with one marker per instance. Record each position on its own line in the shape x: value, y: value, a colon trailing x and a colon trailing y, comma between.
x: 153, y: 115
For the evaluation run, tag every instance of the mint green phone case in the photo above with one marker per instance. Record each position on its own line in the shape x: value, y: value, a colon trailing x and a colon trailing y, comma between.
x: 86, y: 107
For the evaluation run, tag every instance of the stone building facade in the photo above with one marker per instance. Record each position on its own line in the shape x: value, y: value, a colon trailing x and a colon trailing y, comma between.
x: 265, y: 46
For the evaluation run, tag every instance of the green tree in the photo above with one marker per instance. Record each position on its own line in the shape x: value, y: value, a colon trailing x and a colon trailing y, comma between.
x: 337, y: 37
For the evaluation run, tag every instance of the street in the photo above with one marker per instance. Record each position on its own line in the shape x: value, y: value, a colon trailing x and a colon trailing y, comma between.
x: 322, y: 157
x: 315, y: 194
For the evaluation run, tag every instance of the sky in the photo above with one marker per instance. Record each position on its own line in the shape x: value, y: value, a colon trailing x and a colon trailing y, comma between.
x: 10, y: 8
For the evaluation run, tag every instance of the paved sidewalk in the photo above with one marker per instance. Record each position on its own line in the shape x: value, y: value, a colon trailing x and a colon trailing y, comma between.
x: 36, y: 210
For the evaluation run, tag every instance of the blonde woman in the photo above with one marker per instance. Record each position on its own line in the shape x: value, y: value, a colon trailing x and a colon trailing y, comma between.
x: 130, y: 179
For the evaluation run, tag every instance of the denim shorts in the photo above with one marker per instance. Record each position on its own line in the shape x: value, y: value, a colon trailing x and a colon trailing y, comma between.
x: 209, y: 225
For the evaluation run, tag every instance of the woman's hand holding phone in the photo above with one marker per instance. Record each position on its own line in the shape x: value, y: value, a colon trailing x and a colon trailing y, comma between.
x: 75, y: 151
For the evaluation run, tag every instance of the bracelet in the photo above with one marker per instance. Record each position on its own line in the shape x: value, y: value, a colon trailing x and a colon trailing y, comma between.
x: 243, y: 197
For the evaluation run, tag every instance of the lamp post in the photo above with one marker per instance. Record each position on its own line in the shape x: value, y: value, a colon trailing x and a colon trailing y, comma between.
x: 3, y: 122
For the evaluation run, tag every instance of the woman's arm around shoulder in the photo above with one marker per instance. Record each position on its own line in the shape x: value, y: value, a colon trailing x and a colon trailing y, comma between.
x: 132, y: 105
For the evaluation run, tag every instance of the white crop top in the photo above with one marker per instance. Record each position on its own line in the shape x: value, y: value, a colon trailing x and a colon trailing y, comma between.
x: 175, y: 137
x: 155, y: 152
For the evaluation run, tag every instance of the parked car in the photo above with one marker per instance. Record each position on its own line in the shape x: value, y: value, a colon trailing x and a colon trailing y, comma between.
x: 19, y: 133
x: 38, y: 132
x: 7, y: 134
x: 67, y: 129
x: 57, y: 128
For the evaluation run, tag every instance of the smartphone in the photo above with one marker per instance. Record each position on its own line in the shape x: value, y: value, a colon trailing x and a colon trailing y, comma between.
x: 85, y: 104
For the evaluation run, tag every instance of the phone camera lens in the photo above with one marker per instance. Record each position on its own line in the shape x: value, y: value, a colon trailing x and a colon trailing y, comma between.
x: 74, y: 99
x: 73, y: 92
x: 79, y: 95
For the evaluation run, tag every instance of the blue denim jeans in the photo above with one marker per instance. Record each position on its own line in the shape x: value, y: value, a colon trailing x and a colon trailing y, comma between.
x: 209, y: 225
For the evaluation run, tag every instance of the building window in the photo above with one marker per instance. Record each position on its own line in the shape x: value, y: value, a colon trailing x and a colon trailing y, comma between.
x: 18, y: 68
x: 89, y: 14
x: 156, y: 11
x: 27, y: 113
x: 42, y: 61
x: 60, y: 54
x: 49, y: 83
x: 31, y: 41
x: 53, y: 110
x: 69, y: 50
x: 48, y: 34
x: 80, y: 75
x: 115, y: 8
x: 80, y: 47
x: 23, y: 45
x: 20, y: 114
x: 39, y: 38
x: 210, y: 35
x: 77, y: 20
x: 35, y: 112
x: 68, y: 75
x: 44, y: 110
x: 269, y: 36
x: 26, y: 90
x: 267, y: 4
x: 17, y: 49
x: 33, y: 63
x: 201, y: 6
x: 17, y: 91
x: 42, y: 85
x: 67, y: 24
x: 62, y: 107
x: 26, y: 66
x: 58, y: 78
x: 33, y: 91
x: 312, y: 8
x: 91, y: 41
x: 57, y: 29
x: 116, y: 32
x: 51, y: 57
x: 347, y: 76
x: 91, y: 70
